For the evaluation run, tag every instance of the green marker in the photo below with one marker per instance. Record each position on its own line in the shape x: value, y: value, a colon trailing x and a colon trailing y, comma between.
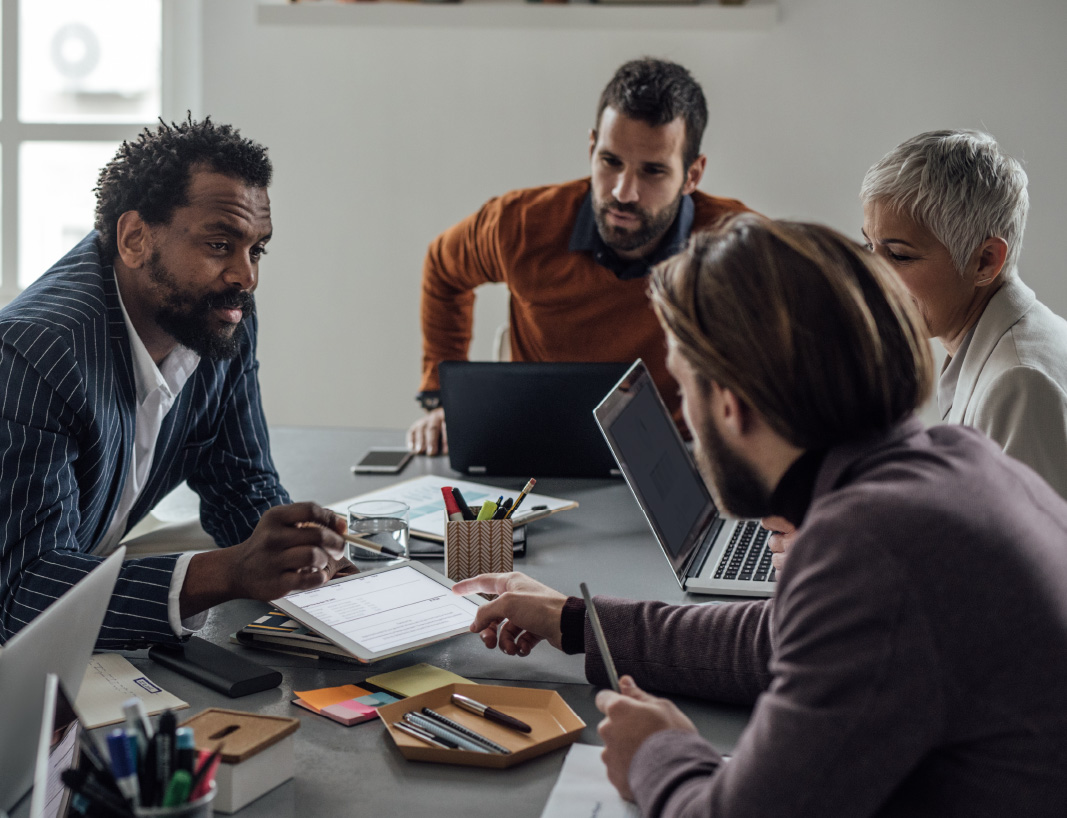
x: 487, y: 510
x: 178, y: 789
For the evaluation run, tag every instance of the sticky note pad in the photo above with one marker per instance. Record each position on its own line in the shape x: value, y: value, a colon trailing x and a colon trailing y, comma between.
x: 349, y: 712
x: 411, y: 681
x: 325, y: 696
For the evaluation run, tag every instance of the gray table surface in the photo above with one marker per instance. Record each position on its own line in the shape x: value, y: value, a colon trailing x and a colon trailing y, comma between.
x: 357, y: 770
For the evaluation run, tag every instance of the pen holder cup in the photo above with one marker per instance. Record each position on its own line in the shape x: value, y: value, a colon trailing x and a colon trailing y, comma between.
x: 475, y: 547
x: 200, y: 808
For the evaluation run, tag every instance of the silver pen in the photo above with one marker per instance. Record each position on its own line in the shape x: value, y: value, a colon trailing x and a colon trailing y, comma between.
x: 422, y: 735
x: 601, y: 641
x: 440, y: 731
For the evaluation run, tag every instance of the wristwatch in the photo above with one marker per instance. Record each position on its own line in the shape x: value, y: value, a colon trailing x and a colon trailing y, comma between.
x: 429, y: 399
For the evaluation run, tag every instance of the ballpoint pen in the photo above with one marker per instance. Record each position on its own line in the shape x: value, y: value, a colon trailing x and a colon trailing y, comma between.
x: 440, y: 731
x: 422, y: 735
x: 465, y: 731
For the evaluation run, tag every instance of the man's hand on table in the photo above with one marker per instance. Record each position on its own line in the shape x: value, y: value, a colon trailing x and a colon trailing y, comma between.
x: 428, y: 434
x: 781, y: 541
x: 293, y: 548
x: 524, y: 612
x: 630, y: 717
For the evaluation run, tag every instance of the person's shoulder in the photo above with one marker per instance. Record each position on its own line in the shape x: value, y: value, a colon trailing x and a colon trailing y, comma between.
x: 71, y: 293
x: 708, y: 209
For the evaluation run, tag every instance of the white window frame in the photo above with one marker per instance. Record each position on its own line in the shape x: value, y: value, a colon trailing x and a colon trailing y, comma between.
x: 180, y: 92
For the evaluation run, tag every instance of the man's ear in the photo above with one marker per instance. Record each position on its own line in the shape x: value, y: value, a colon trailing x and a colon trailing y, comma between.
x: 592, y: 142
x: 134, y: 239
x: 694, y: 174
x: 735, y: 415
x: 991, y: 256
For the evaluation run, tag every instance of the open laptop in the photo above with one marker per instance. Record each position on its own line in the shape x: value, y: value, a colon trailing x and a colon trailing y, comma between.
x: 709, y: 553
x: 59, y: 640
x: 58, y: 749
x: 527, y: 419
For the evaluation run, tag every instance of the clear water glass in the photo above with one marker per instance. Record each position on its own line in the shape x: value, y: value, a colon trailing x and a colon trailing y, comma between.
x: 384, y: 523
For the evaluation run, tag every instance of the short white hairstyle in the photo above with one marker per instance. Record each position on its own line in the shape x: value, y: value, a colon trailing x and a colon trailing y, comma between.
x: 960, y: 186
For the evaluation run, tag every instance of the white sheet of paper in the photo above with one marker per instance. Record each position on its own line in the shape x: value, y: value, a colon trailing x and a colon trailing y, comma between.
x: 109, y: 681
x: 423, y: 496
x: 583, y: 790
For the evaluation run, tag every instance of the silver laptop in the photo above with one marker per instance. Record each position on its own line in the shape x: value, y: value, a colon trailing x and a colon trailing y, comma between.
x: 709, y: 553
x: 60, y: 640
x: 57, y: 750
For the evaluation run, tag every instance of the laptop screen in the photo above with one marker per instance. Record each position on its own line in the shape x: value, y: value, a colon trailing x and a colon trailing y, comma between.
x: 657, y: 465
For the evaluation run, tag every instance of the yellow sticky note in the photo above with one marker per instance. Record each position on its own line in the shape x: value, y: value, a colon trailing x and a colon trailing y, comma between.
x: 411, y: 681
x: 325, y: 696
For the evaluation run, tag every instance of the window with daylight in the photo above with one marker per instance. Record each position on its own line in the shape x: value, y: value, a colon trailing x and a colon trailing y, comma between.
x: 76, y: 79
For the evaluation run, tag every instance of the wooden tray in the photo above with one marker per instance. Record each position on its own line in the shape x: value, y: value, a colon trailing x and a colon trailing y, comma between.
x: 554, y: 723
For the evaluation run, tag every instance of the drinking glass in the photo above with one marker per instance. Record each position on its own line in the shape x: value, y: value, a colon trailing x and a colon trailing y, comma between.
x: 384, y: 523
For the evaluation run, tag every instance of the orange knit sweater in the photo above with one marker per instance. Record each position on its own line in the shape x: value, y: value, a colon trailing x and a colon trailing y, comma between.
x: 564, y: 306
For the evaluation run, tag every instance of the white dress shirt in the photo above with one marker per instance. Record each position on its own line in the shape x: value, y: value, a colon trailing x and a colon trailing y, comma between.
x: 157, y: 388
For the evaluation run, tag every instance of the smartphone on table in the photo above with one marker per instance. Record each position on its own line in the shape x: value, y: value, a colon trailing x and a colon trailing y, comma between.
x: 383, y: 460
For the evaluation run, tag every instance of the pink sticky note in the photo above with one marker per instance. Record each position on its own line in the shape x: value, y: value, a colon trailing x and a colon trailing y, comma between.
x: 349, y: 712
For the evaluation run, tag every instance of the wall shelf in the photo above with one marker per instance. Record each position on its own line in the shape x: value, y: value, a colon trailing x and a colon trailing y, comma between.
x: 755, y: 15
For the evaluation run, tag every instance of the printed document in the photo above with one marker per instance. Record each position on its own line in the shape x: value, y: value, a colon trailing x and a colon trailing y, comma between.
x: 583, y: 790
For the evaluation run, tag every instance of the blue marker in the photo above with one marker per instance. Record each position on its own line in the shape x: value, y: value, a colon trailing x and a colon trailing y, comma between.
x: 123, y: 765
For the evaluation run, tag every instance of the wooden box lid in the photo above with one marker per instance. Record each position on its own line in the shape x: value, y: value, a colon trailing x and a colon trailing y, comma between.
x: 242, y: 735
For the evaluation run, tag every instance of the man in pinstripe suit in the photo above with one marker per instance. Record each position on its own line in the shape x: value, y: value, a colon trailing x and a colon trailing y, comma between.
x: 131, y: 366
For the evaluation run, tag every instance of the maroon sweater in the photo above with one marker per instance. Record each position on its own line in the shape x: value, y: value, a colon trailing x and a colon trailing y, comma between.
x: 913, y: 660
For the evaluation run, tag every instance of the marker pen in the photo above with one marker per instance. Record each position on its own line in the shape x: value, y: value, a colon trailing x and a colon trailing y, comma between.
x: 451, y: 506
x: 137, y: 724
x: 123, y: 765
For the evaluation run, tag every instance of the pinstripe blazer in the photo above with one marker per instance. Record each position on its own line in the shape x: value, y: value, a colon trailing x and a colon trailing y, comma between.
x: 67, y: 409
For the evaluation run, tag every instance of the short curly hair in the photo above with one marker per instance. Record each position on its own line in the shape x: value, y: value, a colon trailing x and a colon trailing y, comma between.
x: 151, y: 173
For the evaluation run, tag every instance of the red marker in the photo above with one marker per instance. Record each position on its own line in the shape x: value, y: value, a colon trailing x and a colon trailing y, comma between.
x: 451, y: 506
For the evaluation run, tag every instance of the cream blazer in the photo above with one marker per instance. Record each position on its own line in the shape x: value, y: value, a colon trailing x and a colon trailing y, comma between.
x: 1013, y: 381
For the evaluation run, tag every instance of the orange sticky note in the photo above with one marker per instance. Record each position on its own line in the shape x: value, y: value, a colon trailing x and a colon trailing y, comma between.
x: 325, y: 696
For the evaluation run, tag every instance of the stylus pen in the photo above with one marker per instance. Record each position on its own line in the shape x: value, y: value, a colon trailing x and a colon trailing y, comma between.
x: 440, y: 731
x: 423, y: 736
x: 601, y: 642
x: 359, y: 542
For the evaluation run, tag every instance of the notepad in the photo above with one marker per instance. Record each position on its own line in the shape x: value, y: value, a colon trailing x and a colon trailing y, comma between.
x: 347, y: 704
x: 420, y: 678
x: 109, y: 681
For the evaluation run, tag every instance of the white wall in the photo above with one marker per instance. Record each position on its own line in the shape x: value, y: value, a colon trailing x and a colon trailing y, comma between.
x: 383, y: 137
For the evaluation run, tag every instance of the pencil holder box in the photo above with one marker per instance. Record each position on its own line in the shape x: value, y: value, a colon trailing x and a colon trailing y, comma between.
x: 475, y: 547
x: 257, y: 753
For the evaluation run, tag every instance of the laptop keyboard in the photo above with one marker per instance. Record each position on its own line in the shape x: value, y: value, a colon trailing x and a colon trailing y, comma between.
x: 747, y: 556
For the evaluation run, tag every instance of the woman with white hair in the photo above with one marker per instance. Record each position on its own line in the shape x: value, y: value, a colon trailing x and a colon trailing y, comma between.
x: 947, y: 210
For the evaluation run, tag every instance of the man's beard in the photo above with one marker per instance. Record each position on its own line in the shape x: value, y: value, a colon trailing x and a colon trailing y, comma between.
x: 737, y: 488
x: 190, y: 319
x: 652, y: 226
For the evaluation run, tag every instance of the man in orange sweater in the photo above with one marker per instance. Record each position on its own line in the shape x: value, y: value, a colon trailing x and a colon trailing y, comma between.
x: 575, y: 256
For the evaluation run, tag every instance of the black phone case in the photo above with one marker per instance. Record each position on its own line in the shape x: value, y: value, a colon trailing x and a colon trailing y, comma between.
x: 216, y: 667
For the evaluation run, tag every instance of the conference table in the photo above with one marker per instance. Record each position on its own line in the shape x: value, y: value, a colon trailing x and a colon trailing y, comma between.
x: 605, y: 542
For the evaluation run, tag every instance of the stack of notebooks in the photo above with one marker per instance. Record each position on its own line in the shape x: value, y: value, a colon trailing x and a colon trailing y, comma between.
x: 276, y: 631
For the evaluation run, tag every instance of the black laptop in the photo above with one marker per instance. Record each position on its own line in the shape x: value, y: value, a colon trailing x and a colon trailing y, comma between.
x: 527, y: 419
